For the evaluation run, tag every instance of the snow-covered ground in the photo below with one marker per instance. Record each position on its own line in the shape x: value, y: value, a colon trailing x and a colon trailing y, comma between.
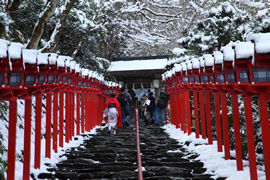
x: 214, y: 161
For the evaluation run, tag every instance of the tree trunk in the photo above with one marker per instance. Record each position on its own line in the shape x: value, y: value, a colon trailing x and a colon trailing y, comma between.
x: 38, y: 31
x: 13, y: 7
x: 58, y: 28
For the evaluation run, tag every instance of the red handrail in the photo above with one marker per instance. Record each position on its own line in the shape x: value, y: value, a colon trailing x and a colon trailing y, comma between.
x: 139, y: 162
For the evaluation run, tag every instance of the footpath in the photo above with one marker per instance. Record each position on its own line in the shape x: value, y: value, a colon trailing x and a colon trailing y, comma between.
x: 105, y: 156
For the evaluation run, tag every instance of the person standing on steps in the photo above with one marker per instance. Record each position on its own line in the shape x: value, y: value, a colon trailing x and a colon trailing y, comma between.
x: 112, y: 114
x: 124, y: 100
x: 150, y: 109
x: 161, y: 105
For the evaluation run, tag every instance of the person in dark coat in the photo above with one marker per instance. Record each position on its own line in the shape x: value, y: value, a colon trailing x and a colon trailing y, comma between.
x: 150, y: 109
x: 161, y: 105
x: 125, y: 111
x: 132, y: 93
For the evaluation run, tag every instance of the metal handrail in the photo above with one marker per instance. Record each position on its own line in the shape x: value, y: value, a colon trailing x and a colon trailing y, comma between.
x: 139, y: 161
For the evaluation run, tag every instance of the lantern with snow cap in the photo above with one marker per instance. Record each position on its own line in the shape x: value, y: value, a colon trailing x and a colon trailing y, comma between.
x: 228, y: 64
x: 218, y: 61
x: 243, y: 58
x: 52, y: 77
x: 78, y: 77
x: 261, y: 60
x: 62, y: 71
x: 196, y: 70
x: 17, y: 79
x: 32, y: 71
x: 85, y: 79
x: 71, y: 74
x: 185, y: 79
x: 5, y: 68
x: 208, y: 67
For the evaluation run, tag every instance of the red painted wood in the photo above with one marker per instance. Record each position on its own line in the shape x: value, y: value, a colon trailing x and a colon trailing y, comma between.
x: 218, y: 122
x: 38, y: 133
x: 178, y: 113
x: 197, y: 125
x: 226, y: 138
x: 184, y: 118
x: 250, y: 139
x: 237, y: 135
x: 78, y: 113
x: 208, y: 117
x: 12, y: 140
x: 72, y: 116
x: 263, y: 108
x: 67, y: 117
x: 27, y: 139
x: 48, y: 125
x: 202, y: 111
x: 55, y: 121
x: 188, y: 112
x: 61, y: 119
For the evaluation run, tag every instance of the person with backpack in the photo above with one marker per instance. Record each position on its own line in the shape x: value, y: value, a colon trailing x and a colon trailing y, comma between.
x: 112, y: 114
x: 150, y: 109
x: 124, y: 100
x: 161, y: 105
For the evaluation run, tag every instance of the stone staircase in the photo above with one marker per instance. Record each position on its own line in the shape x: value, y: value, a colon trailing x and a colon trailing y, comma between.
x: 106, y: 156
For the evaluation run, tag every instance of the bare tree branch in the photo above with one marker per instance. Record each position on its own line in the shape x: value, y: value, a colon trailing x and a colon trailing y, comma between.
x: 59, y: 28
x: 39, y: 28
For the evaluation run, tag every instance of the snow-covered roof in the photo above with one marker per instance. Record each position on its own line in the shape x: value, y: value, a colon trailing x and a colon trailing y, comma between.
x: 85, y: 72
x: 42, y: 58
x: 178, y: 67
x: 244, y: 50
x: 262, y: 44
x: 189, y: 65
x: 15, y: 50
x: 228, y: 53
x: 138, y: 65
x: 52, y: 58
x: 77, y: 68
x: 30, y: 56
x: 208, y: 59
x: 195, y: 63
x: 218, y: 57
x: 61, y: 60
x: 3, y: 48
x: 201, y: 61
x: 72, y: 65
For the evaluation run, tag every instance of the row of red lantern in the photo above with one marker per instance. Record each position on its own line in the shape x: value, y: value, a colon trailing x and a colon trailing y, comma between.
x: 25, y: 73
x: 240, y: 68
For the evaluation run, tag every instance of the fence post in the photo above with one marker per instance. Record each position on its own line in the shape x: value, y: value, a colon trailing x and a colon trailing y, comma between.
x: 61, y: 119
x: 201, y: 93
x: 197, y: 125
x: 12, y: 139
x: 208, y: 117
x: 218, y: 122
x: 250, y: 138
x: 237, y: 135
x: 38, y: 133
x: 55, y: 121
x: 264, y: 118
x: 48, y: 124
x: 225, y: 126
x: 27, y: 138
x: 188, y: 112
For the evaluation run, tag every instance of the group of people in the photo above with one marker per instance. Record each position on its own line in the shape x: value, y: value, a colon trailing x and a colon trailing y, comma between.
x: 151, y: 111
x: 117, y: 110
